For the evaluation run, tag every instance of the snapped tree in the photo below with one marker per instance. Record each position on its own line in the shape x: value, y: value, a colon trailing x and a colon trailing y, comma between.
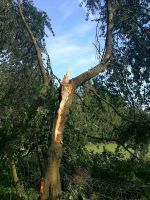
x: 52, y: 183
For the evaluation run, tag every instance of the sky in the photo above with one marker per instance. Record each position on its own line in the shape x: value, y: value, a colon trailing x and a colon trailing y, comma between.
x: 71, y: 48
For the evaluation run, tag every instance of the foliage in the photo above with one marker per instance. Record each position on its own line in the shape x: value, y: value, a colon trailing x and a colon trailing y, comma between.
x: 128, y: 74
x: 113, y: 111
x: 21, y: 122
x: 135, y: 133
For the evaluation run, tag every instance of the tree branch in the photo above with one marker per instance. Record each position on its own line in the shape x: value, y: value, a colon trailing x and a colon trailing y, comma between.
x: 37, y: 48
x: 82, y: 78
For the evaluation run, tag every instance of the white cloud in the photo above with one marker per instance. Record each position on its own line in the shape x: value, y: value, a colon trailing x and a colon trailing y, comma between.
x: 72, y: 46
x: 83, y: 63
x: 83, y: 28
x: 68, y: 54
x: 73, y: 49
x: 66, y: 8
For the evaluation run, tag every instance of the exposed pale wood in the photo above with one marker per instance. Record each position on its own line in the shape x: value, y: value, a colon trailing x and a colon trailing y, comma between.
x: 66, y: 97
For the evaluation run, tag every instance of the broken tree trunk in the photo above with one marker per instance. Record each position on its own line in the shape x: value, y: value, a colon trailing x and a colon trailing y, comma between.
x: 52, y: 184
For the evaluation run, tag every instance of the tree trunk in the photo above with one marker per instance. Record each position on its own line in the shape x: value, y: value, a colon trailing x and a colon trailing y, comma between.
x: 52, y: 184
x: 19, y: 188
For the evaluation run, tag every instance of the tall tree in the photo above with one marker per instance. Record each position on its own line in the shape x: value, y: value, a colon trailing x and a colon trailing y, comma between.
x: 20, y: 82
x: 52, y: 184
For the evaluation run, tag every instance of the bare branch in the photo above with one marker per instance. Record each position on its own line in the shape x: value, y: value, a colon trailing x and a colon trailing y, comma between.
x: 82, y: 78
x: 37, y: 48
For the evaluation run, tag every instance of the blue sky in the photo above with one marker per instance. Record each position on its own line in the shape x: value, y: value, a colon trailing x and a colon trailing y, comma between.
x: 72, y: 46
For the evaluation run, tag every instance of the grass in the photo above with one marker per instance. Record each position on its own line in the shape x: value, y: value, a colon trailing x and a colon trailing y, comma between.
x: 98, y: 148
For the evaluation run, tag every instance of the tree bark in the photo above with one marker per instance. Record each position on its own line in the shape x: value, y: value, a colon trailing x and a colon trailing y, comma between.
x: 20, y: 192
x: 52, y: 183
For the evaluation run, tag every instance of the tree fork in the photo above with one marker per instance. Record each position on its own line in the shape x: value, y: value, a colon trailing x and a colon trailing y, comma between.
x: 52, y: 185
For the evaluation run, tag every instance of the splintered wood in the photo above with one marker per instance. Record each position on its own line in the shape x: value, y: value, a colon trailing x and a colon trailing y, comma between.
x: 66, y: 90
x: 42, y: 186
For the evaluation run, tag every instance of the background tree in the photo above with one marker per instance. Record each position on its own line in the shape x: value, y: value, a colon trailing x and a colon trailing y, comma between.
x: 128, y: 74
x: 20, y: 78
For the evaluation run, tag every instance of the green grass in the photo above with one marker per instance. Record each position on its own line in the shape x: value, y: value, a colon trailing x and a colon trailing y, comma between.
x: 98, y: 148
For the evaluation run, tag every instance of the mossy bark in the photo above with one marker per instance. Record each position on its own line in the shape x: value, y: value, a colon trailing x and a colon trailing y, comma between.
x: 20, y: 192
